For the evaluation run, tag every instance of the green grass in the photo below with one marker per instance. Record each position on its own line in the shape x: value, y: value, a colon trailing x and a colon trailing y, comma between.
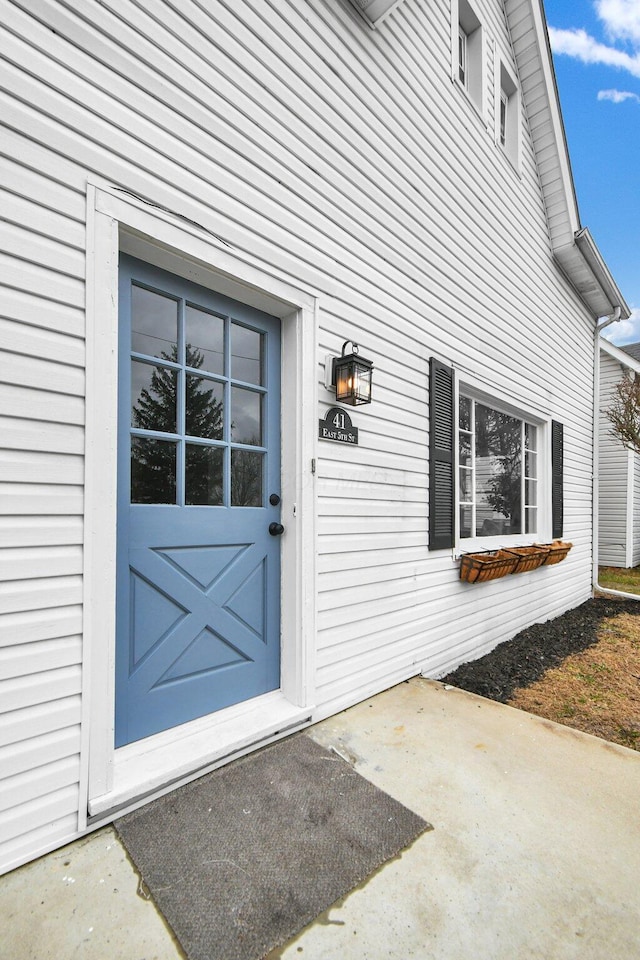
x: 617, y: 578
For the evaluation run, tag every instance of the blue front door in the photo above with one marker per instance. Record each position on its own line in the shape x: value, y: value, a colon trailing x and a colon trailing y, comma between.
x: 198, y: 587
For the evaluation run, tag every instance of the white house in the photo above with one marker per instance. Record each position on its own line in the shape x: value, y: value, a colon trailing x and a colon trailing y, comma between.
x: 202, y: 202
x: 618, y: 469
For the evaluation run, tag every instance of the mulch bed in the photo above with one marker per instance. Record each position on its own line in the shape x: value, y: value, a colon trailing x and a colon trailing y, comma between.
x: 524, y: 659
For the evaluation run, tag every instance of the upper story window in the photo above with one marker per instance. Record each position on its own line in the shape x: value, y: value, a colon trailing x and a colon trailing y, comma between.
x: 504, y: 103
x: 468, y: 53
x: 462, y: 57
x: 508, y: 114
x: 498, y: 472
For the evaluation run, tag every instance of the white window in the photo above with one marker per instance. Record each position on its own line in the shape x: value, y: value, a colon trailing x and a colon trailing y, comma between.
x: 468, y: 53
x: 497, y: 472
x: 496, y: 475
x: 462, y: 57
x: 504, y: 103
x: 508, y: 115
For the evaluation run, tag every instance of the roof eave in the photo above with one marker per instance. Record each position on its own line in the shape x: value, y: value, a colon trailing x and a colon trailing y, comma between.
x: 530, y: 39
x: 624, y: 359
x: 582, y: 263
x: 572, y: 246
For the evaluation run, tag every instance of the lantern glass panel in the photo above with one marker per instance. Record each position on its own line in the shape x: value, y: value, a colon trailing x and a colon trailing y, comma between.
x: 353, y: 381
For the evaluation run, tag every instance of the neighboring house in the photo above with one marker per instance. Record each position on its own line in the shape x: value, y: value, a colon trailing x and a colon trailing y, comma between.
x: 202, y: 202
x: 618, y: 468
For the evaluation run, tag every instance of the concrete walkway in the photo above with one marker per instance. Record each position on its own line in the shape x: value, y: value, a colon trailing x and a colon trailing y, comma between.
x: 535, y: 853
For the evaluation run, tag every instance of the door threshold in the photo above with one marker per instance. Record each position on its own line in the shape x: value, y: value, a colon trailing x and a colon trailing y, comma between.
x: 151, y: 767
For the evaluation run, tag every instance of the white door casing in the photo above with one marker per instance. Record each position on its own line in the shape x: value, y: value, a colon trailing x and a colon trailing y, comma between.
x: 118, y: 221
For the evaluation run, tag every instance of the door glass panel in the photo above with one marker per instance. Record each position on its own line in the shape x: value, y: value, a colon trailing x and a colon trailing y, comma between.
x: 204, y: 468
x: 204, y: 408
x: 246, y: 354
x: 204, y: 338
x: 246, y: 478
x: 246, y: 416
x: 154, y: 324
x: 153, y: 397
x: 153, y: 470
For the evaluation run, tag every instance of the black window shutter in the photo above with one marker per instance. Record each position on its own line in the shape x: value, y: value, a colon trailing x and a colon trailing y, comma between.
x: 441, y: 459
x: 557, y: 456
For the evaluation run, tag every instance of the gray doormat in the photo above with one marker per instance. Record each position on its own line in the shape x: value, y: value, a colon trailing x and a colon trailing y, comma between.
x: 242, y: 859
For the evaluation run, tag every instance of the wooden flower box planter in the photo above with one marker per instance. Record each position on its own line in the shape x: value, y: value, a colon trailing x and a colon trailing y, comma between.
x: 529, y: 558
x: 558, y: 550
x: 492, y: 564
x: 478, y: 567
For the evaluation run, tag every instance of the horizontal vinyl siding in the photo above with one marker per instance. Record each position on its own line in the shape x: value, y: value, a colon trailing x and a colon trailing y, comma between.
x: 635, y: 558
x: 346, y: 160
x: 613, y: 461
x: 42, y: 260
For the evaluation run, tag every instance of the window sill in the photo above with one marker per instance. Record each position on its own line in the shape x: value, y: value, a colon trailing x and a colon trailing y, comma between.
x: 514, y: 164
x: 476, y: 107
x: 482, y: 544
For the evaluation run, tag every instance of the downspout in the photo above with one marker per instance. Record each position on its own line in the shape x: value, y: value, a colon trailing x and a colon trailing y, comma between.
x: 615, y: 316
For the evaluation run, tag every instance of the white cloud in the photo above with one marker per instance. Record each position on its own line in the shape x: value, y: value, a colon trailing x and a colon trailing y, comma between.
x: 618, y: 96
x: 621, y: 18
x: 578, y: 44
x: 626, y: 331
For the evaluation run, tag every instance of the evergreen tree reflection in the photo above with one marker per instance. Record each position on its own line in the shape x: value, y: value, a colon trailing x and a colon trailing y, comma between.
x: 499, y: 459
x: 153, y: 460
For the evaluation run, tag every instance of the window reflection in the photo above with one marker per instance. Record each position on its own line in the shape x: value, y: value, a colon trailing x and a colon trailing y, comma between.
x: 153, y: 470
x: 185, y: 391
x: 153, y: 397
x: 246, y: 416
x: 465, y: 521
x: 204, y: 407
x: 204, y: 468
x: 154, y: 322
x: 246, y: 354
x: 204, y: 335
x: 498, y: 472
x: 246, y: 478
x: 465, y: 413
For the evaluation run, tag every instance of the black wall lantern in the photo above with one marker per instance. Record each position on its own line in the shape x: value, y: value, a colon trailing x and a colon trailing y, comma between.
x: 351, y: 376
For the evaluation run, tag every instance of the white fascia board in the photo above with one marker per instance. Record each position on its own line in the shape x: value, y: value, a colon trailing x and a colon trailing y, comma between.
x: 624, y: 359
x: 530, y: 40
x: 586, y: 271
x: 601, y: 273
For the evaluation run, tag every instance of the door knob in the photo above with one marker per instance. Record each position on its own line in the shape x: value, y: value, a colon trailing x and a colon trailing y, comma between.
x: 276, y: 529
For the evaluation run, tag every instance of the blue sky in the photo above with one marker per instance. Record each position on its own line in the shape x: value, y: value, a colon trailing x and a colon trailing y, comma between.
x: 596, y: 48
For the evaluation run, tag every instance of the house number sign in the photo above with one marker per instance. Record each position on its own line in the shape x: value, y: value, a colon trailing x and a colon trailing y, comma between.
x: 337, y: 426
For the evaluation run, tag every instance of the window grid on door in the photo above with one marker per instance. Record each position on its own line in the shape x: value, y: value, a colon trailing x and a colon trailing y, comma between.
x: 198, y: 409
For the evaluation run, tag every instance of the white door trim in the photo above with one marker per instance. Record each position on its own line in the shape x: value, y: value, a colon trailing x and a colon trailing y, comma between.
x: 118, y: 221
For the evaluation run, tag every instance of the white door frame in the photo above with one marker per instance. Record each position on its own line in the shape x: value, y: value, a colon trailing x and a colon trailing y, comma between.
x: 121, y: 779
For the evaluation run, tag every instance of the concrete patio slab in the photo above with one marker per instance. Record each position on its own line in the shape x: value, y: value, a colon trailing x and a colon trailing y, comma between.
x: 535, y: 852
x: 536, y: 848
